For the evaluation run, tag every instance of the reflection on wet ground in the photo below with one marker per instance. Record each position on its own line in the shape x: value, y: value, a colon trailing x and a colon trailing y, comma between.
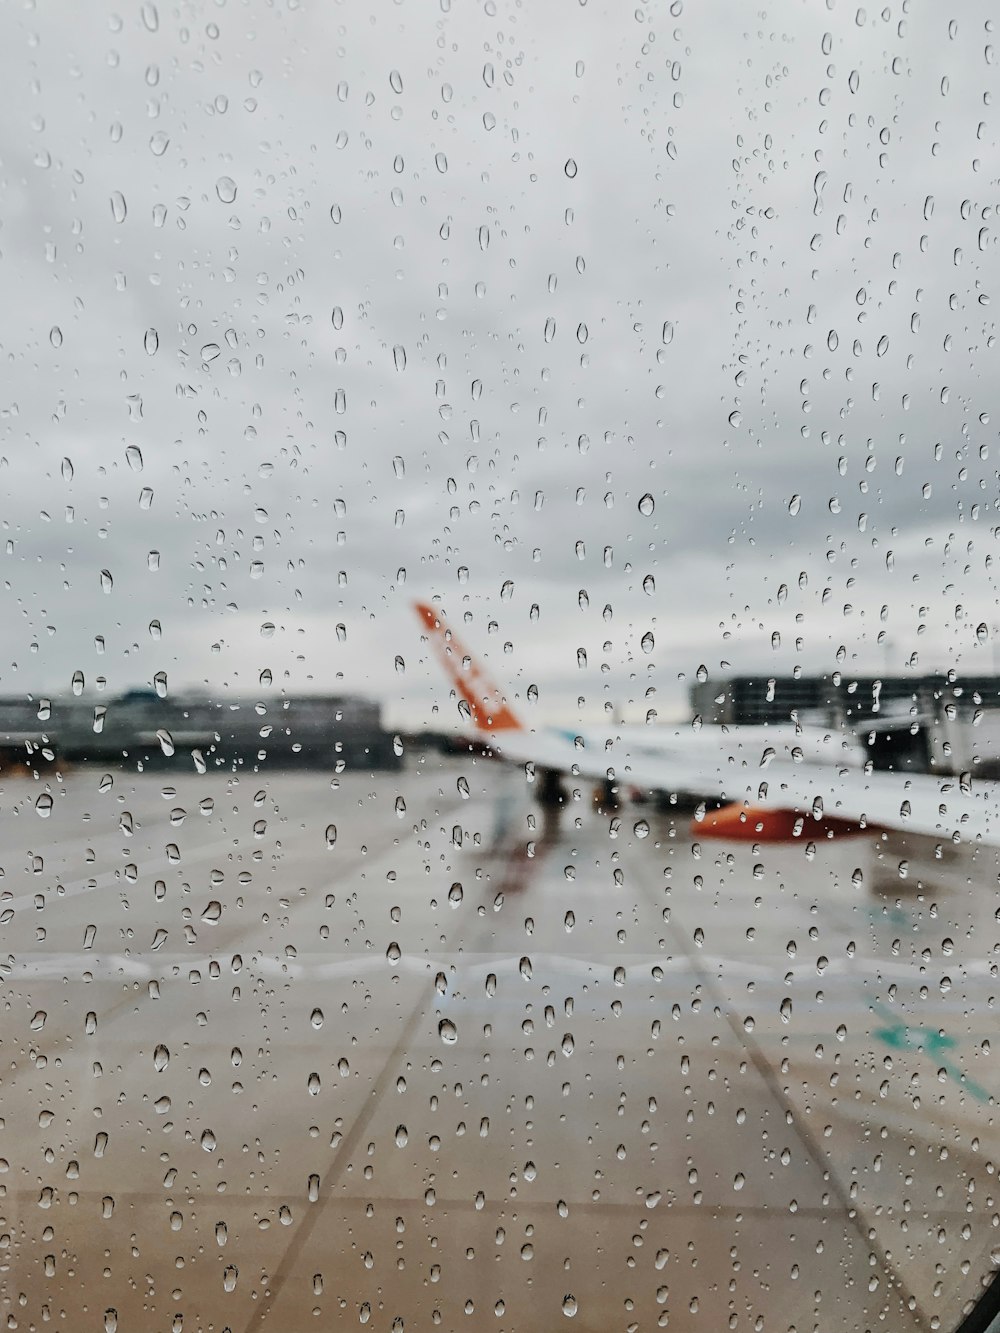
x: 280, y: 1053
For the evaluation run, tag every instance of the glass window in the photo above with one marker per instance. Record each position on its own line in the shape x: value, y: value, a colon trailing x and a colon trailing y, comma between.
x: 500, y: 713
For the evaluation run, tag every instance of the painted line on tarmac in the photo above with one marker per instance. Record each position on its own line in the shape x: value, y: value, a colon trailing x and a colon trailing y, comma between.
x: 343, y: 1156
x: 867, y: 1233
x: 638, y: 970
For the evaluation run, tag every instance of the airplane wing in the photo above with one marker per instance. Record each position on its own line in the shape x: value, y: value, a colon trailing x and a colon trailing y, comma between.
x: 947, y: 808
x: 782, y: 800
x: 761, y: 799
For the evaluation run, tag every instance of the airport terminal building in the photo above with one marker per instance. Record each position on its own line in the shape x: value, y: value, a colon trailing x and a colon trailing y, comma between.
x: 141, y: 728
x: 932, y: 723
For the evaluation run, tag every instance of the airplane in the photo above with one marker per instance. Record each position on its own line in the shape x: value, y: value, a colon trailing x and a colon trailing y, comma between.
x: 767, y: 783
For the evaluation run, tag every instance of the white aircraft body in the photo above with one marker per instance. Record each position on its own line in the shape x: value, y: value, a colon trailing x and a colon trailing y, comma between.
x: 771, y: 783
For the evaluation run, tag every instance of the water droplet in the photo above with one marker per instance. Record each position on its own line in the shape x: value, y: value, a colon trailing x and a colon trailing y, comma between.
x: 331, y: 834
x: 225, y: 188
x: 161, y: 1058
x: 208, y: 1140
x: 569, y: 1305
x: 133, y: 456
x: 43, y: 805
x: 447, y: 1031
x: 314, y: 1083
x: 641, y: 829
x: 55, y: 336
x: 646, y: 505
x: 647, y: 642
x: 229, y: 1278
x: 402, y: 1137
x: 119, y: 209
x: 399, y: 357
x: 316, y: 1018
x: 570, y: 168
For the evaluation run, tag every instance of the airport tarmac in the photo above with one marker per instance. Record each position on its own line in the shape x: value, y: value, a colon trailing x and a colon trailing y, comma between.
x: 294, y: 1051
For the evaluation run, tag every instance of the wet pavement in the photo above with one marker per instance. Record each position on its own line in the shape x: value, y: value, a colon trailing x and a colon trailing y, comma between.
x: 299, y: 1052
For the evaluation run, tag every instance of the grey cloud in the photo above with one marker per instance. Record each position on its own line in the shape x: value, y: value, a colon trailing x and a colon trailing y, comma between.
x: 697, y: 144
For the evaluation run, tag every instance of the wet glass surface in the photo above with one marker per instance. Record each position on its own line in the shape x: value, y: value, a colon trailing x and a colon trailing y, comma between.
x: 655, y: 345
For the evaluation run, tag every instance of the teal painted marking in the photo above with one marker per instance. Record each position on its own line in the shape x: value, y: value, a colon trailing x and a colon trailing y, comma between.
x: 904, y: 1037
x: 895, y: 916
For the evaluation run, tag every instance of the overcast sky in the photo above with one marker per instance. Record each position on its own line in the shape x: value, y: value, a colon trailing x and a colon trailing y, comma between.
x: 393, y: 300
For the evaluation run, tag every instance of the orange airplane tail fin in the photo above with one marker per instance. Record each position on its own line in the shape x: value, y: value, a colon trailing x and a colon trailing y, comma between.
x: 486, y: 703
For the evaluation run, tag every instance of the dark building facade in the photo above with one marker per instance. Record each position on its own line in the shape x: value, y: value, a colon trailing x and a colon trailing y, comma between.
x: 944, y: 722
x: 140, y: 728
